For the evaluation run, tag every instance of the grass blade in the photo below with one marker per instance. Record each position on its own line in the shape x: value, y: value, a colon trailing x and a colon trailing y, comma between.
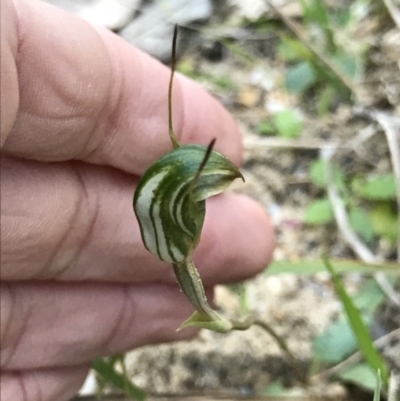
x: 360, y: 331
x: 377, y: 392
x: 108, y: 373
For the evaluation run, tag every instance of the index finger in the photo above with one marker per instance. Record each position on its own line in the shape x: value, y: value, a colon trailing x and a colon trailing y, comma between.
x: 85, y: 94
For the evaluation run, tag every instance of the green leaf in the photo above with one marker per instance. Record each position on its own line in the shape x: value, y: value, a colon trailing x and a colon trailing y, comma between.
x: 338, y: 340
x: 360, y: 222
x: 341, y: 18
x: 288, y: 123
x: 107, y: 371
x: 318, y: 212
x: 369, y: 297
x: 360, y: 374
x: 382, y: 187
x: 347, y: 64
x: 266, y: 128
x: 384, y: 221
x: 318, y: 178
x: 274, y: 389
x: 292, y: 49
x: 361, y: 333
x: 335, y: 343
x: 317, y: 173
x: 299, y: 78
x: 317, y: 13
x: 286, y: 52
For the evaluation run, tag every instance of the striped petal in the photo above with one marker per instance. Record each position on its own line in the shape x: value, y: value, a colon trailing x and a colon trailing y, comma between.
x: 169, y: 201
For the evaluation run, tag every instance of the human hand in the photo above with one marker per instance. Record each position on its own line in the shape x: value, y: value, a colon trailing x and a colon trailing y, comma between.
x: 83, y: 115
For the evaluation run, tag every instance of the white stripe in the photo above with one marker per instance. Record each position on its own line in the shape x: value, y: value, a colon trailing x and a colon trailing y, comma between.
x: 143, y: 205
x: 151, y: 225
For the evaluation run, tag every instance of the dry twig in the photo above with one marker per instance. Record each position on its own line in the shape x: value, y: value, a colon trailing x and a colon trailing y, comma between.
x: 285, y: 143
x: 394, y: 387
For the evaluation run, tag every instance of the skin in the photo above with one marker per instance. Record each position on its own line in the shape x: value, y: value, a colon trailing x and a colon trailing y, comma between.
x: 83, y: 115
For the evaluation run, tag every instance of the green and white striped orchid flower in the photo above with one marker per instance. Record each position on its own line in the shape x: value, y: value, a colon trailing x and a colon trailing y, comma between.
x: 169, y: 204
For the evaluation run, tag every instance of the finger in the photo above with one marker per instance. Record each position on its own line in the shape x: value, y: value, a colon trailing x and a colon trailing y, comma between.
x: 72, y: 221
x: 86, y: 94
x: 237, y: 240
x: 42, y: 385
x: 88, y: 320
x: 8, y: 77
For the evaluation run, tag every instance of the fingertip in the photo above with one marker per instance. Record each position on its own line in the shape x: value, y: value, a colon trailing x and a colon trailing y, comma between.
x: 238, y: 239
